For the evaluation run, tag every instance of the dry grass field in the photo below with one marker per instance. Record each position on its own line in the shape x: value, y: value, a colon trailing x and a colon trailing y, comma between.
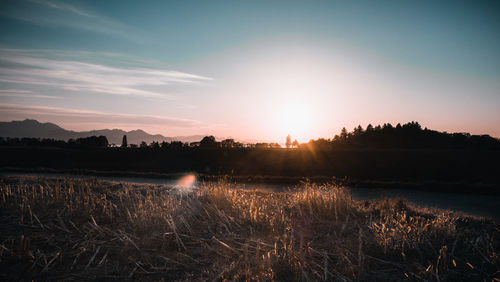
x: 83, y: 229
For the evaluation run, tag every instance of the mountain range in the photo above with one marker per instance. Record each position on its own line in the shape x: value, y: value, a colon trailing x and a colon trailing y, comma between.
x: 34, y: 129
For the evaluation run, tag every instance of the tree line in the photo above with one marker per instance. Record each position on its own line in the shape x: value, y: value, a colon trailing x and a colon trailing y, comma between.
x: 386, y: 152
x: 84, y: 142
x: 407, y: 136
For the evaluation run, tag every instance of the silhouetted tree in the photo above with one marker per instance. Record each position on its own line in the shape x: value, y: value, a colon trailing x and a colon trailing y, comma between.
x: 92, y: 142
x: 288, y: 141
x: 208, y: 142
x: 164, y: 145
x: 194, y: 144
x: 230, y: 143
x: 264, y: 145
x: 155, y: 145
x: 274, y: 145
x: 358, y: 130
x: 124, y: 141
x: 343, y: 134
x: 143, y: 144
x: 295, y: 143
x: 176, y: 144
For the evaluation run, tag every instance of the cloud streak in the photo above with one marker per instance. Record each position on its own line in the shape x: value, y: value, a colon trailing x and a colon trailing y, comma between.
x: 65, y: 15
x: 22, y: 67
x: 63, y: 6
x: 68, y: 116
x: 11, y: 91
x: 24, y: 94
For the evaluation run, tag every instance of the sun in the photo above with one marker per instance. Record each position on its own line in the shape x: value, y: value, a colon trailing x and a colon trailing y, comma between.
x: 295, y: 119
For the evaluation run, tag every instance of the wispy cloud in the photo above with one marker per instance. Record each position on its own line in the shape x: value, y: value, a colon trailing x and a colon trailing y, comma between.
x: 63, y: 6
x: 187, y: 107
x: 68, y: 116
x: 24, y: 94
x: 65, y: 14
x: 11, y: 91
x: 31, y: 68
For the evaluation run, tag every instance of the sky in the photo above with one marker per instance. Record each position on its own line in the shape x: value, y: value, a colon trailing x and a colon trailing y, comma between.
x: 251, y: 70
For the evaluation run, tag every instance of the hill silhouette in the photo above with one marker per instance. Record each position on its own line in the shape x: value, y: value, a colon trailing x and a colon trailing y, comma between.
x: 33, y: 129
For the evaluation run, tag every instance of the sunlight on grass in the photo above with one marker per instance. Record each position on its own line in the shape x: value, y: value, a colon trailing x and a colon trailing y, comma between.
x: 55, y: 229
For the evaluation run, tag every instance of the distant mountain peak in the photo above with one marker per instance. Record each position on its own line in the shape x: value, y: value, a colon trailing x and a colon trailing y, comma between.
x: 31, y: 120
x: 35, y: 129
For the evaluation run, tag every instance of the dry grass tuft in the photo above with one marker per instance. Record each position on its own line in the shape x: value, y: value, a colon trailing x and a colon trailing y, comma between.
x: 67, y: 229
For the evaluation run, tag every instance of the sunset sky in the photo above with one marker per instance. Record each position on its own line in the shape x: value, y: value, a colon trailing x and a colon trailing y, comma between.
x: 251, y: 69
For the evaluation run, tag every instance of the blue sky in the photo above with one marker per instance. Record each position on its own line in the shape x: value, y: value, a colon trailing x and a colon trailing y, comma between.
x: 251, y: 69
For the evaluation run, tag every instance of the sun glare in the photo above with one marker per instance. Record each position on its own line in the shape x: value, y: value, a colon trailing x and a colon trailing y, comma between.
x: 295, y: 119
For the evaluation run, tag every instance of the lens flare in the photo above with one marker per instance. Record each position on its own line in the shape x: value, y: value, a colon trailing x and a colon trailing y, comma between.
x: 186, y: 182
